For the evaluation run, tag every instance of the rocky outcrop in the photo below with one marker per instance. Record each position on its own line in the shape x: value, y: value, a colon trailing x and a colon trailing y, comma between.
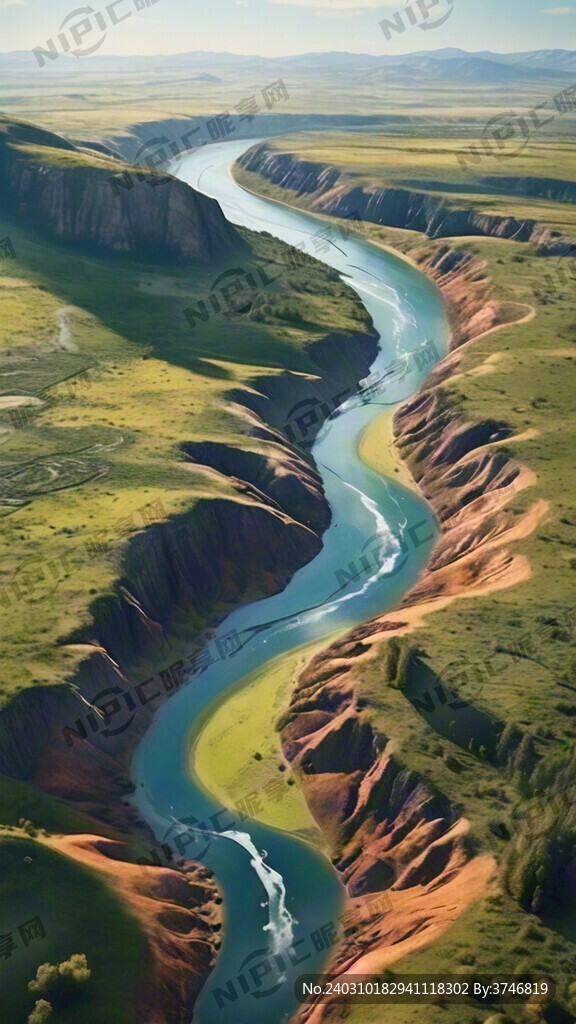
x: 284, y: 480
x: 297, y: 405
x: 401, y: 849
x: 106, y: 205
x: 399, y: 845
x: 467, y: 289
x: 328, y: 190
x: 204, y: 562
x: 179, y: 913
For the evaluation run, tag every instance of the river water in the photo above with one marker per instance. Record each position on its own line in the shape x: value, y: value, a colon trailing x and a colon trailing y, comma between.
x: 282, y: 898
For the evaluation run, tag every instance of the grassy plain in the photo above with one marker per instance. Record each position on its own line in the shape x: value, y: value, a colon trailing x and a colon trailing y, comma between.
x: 97, y: 98
x: 124, y: 381
x: 120, y: 380
x: 238, y: 753
x: 431, y: 165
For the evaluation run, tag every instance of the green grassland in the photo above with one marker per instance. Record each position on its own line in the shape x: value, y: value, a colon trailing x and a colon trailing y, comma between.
x: 133, y: 382
x: 530, y: 387
x: 375, y: 158
x: 121, y: 379
x: 236, y: 766
x: 88, y: 99
x: 77, y: 910
x: 124, y: 380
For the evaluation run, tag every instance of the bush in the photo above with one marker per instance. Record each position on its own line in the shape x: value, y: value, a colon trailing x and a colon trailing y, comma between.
x: 40, y: 1013
x: 75, y: 969
x: 46, y: 978
x: 29, y: 828
x: 391, y: 660
x: 406, y: 662
x: 62, y: 978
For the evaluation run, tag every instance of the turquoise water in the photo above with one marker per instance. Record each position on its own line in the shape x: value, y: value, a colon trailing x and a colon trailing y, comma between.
x: 282, y: 898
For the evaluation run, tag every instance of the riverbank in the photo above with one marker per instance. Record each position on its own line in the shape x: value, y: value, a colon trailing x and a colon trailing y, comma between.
x: 478, y: 439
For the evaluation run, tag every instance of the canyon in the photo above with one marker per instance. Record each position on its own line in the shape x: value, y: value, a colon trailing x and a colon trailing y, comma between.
x: 328, y: 190
x: 388, y: 831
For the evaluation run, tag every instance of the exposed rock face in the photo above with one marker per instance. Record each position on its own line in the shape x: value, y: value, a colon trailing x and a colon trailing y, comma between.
x: 285, y: 481
x: 389, y: 832
x: 106, y: 205
x: 179, y: 577
x: 178, y: 913
x: 400, y: 848
x: 539, y: 188
x: 220, y: 554
x: 329, y: 191
x: 197, y: 565
x: 298, y: 405
x: 467, y: 289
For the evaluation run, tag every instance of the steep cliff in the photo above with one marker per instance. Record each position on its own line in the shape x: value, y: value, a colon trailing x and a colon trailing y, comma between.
x: 559, y: 190
x: 191, y: 569
x: 329, y: 191
x: 105, y: 204
x: 400, y: 846
x: 177, y: 579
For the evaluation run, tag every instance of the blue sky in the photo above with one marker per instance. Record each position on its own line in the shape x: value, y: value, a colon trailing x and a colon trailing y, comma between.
x: 274, y: 27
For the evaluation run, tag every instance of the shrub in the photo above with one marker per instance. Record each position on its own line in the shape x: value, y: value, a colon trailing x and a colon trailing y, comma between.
x: 406, y: 662
x: 391, y: 659
x: 75, y: 969
x: 61, y: 978
x: 40, y: 1013
x: 46, y: 978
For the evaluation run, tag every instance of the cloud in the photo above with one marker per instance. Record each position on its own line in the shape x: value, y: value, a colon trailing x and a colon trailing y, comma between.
x: 559, y: 10
x: 336, y: 6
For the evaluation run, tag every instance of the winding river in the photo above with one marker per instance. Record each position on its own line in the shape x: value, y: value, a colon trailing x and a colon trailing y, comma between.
x: 280, y: 894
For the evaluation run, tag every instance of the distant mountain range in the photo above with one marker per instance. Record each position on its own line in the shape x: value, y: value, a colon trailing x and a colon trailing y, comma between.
x: 445, y: 65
